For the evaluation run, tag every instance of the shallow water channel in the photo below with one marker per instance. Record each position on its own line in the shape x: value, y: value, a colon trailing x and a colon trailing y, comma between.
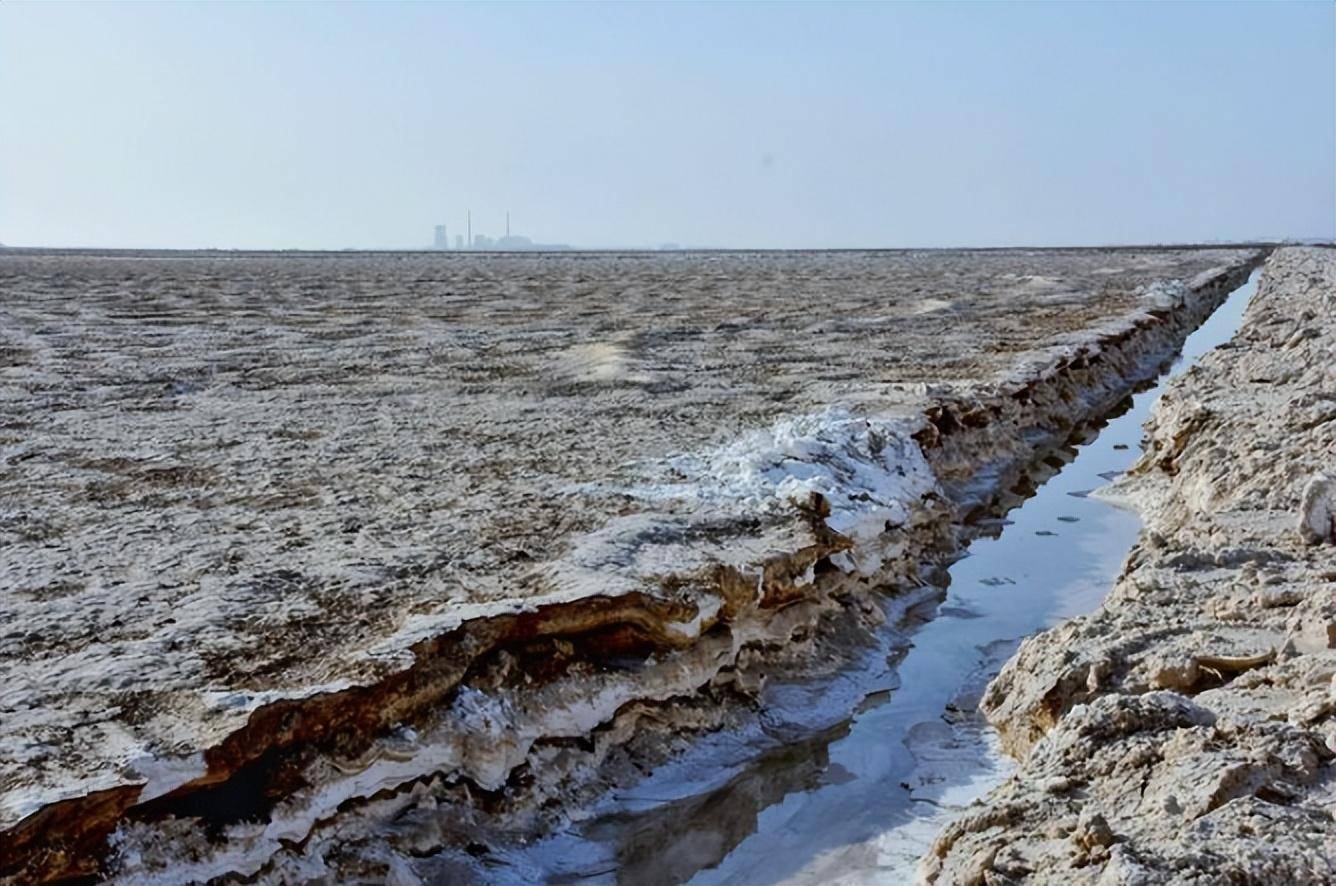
x: 862, y: 801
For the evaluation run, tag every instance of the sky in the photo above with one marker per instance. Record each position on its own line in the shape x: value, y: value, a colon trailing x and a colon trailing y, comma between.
x: 309, y: 125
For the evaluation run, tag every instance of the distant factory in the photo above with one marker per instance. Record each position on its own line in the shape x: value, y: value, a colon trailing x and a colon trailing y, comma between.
x: 481, y: 242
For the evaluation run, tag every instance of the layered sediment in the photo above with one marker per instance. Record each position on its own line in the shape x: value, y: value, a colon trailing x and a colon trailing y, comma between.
x: 1186, y: 730
x: 287, y: 541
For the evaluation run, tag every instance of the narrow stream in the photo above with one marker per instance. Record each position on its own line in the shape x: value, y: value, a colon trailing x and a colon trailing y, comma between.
x: 861, y: 802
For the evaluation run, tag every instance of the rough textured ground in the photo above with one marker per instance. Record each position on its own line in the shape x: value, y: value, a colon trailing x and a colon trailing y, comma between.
x: 228, y: 484
x: 1186, y: 731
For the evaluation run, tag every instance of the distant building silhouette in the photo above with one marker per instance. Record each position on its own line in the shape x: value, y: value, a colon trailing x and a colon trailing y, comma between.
x: 509, y: 243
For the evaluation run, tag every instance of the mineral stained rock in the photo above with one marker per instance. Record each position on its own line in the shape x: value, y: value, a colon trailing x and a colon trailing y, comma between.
x: 279, y: 534
x: 1185, y: 732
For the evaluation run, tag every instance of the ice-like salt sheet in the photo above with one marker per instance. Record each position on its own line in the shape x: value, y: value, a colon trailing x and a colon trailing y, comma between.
x: 869, y: 469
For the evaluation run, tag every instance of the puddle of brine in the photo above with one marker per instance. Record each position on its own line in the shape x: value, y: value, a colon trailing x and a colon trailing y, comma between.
x: 864, y: 802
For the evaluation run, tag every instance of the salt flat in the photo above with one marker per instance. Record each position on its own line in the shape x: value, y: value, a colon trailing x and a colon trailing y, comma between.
x: 227, y: 480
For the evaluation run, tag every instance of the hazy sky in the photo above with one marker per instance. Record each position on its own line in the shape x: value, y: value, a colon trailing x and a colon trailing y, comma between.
x: 278, y: 125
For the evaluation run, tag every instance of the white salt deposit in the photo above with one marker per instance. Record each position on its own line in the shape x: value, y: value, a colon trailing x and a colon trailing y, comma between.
x: 869, y: 469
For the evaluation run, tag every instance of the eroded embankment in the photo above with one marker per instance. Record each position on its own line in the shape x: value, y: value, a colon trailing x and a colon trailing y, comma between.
x: 1186, y: 730
x: 875, y: 499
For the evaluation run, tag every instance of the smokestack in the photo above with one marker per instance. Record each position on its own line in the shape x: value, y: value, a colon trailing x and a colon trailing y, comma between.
x: 507, y: 222
x: 468, y: 213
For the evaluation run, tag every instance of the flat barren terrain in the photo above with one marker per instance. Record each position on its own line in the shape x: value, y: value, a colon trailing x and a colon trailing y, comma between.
x: 230, y: 484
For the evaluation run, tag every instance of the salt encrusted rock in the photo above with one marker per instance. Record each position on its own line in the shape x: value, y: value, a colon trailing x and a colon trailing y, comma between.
x: 1226, y: 778
x: 1092, y: 831
x: 1317, y: 510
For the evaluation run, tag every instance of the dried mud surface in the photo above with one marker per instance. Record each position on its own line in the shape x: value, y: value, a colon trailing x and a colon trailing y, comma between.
x: 1186, y: 731
x: 306, y: 529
